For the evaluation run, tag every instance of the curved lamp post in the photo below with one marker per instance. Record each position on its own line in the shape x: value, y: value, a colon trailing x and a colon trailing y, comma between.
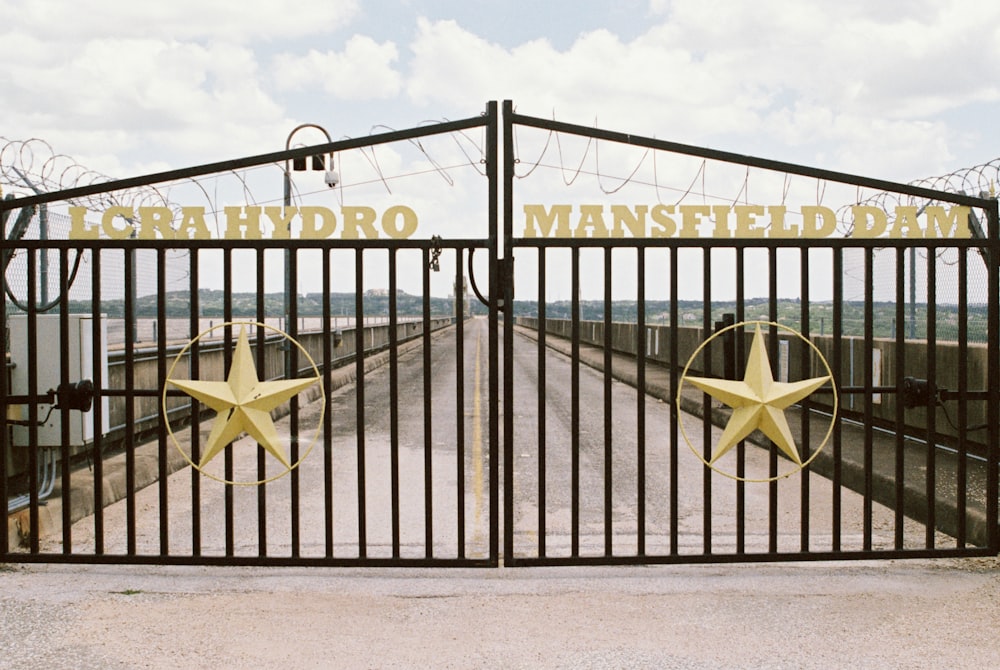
x: 318, y: 163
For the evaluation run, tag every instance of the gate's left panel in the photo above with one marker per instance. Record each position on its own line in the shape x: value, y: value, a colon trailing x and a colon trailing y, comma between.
x: 250, y: 364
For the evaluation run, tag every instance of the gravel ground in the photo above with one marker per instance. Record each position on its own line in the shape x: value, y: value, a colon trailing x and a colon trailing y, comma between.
x: 893, y: 614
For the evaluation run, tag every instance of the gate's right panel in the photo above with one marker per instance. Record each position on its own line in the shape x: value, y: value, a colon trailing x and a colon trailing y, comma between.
x: 716, y: 358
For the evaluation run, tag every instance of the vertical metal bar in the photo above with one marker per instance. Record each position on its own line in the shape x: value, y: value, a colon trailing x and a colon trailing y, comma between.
x: 261, y: 355
x: 608, y: 444
x: 838, y: 368
x: 640, y: 419
x: 741, y: 448
x: 772, y: 346
x: 805, y: 372
x: 930, y: 490
x: 675, y: 418
x: 5, y: 442
x: 900, y: 365
x: 542, y: 393
x: 32, y: 406
x: 97, y: 353
x: 961, y: 503
x: 161, y: 376
x: 993, y: 378
x: 706, y: 422
x: 428, y: 425
x: 227, y: 358
x: 194, y: 357
x: 328, y: 357
x: 130, y: 339
x: 575, y: 406
x: 506, y: 291
x: 64, y: 378
x: 869, y: 384
x: 394, y: 402
x: 359, y: 368
x: 293, y: 403
x: 460, y: 401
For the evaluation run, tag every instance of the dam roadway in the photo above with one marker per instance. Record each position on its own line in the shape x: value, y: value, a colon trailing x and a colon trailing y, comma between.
x: 425, y: 486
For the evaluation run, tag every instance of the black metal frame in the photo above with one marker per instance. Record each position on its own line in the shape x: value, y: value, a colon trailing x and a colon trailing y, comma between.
x: 538, y: 553
x: 332, y: 556
x: 501, y: 296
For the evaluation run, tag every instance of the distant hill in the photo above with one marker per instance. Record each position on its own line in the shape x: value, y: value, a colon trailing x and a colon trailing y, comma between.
x: 690, y: 312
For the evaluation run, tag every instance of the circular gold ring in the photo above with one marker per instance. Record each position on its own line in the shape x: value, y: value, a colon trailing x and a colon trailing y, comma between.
x: 318, y: 379
x: 833, y: 414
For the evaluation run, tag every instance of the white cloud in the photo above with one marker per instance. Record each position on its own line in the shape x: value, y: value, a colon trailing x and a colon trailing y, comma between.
x: 861, y: 87
x: 362, y: 71
x: 164, y: 97
x: 244, y: 21
x: 853, y: 85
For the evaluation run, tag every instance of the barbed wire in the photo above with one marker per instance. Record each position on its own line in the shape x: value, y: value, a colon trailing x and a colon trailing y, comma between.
x: 34, y: 165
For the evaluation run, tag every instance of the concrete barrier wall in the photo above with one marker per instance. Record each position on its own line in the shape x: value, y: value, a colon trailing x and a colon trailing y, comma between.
x: 624, y: 338
x: 211, y: 361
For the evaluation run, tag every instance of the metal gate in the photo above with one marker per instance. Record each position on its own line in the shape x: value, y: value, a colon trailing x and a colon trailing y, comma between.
x: 660, y: 274
x: 697, y: 276
x: 147, y: 338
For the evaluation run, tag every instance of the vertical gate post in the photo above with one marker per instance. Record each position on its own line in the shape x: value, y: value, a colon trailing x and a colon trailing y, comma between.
x: 993, y: 356
x: 493, y: 164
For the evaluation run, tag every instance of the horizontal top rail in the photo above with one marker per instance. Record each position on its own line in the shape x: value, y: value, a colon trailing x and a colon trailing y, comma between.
x: 247, y: 162
x: 752, y: 161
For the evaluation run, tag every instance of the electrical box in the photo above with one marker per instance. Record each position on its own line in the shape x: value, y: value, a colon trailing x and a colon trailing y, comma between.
x: 47, y: 348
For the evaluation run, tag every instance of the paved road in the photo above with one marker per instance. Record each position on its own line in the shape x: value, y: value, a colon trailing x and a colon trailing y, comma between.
x: 914, y: 614
x: 859, y: 615
x: 393, y: 442
x: 434, y: 469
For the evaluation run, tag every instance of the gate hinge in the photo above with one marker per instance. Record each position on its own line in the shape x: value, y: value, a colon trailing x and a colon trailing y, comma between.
x: 505, y: 280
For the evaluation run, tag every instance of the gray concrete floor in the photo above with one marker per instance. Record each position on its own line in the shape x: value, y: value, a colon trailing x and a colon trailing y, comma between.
x: 907, y: 614
x: 889, y: 614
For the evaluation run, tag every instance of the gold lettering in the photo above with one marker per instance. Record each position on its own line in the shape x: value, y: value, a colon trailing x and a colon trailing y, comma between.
x: 779, y: 228
x: 108, y: 222
x: 310, y: 229
x: 540, y: 223
x: 359, y: 216
x: 281, y: 217
x: 879, y: 221
x: 390, y: 218
x: 153, y: 220
x: 240, y: 227
x: 906, y: 224
x: 626, y: 217
x: 722, y: 229
x: 746, y: 220
x: 811, y: 225
x: 192, y: 224
x: 79, y: 229
x: 954, y: 223
x: 691, y: 217
x: 663, y: 225
x: 591, y: 216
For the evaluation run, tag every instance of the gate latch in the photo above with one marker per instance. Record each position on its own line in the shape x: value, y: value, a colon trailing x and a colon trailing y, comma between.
x: 71, y: 395
x: 505, y: 274
x: 918, y: 393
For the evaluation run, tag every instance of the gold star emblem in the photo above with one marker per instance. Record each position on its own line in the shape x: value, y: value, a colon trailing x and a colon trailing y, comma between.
x: 243, y: 403
x: 758, y: 401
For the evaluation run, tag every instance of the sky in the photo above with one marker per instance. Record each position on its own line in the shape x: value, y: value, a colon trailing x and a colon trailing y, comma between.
x: 893, y: 89
x: 889, y: 89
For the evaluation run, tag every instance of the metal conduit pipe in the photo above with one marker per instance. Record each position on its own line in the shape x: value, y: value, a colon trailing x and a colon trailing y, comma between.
x: 47, y: 471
